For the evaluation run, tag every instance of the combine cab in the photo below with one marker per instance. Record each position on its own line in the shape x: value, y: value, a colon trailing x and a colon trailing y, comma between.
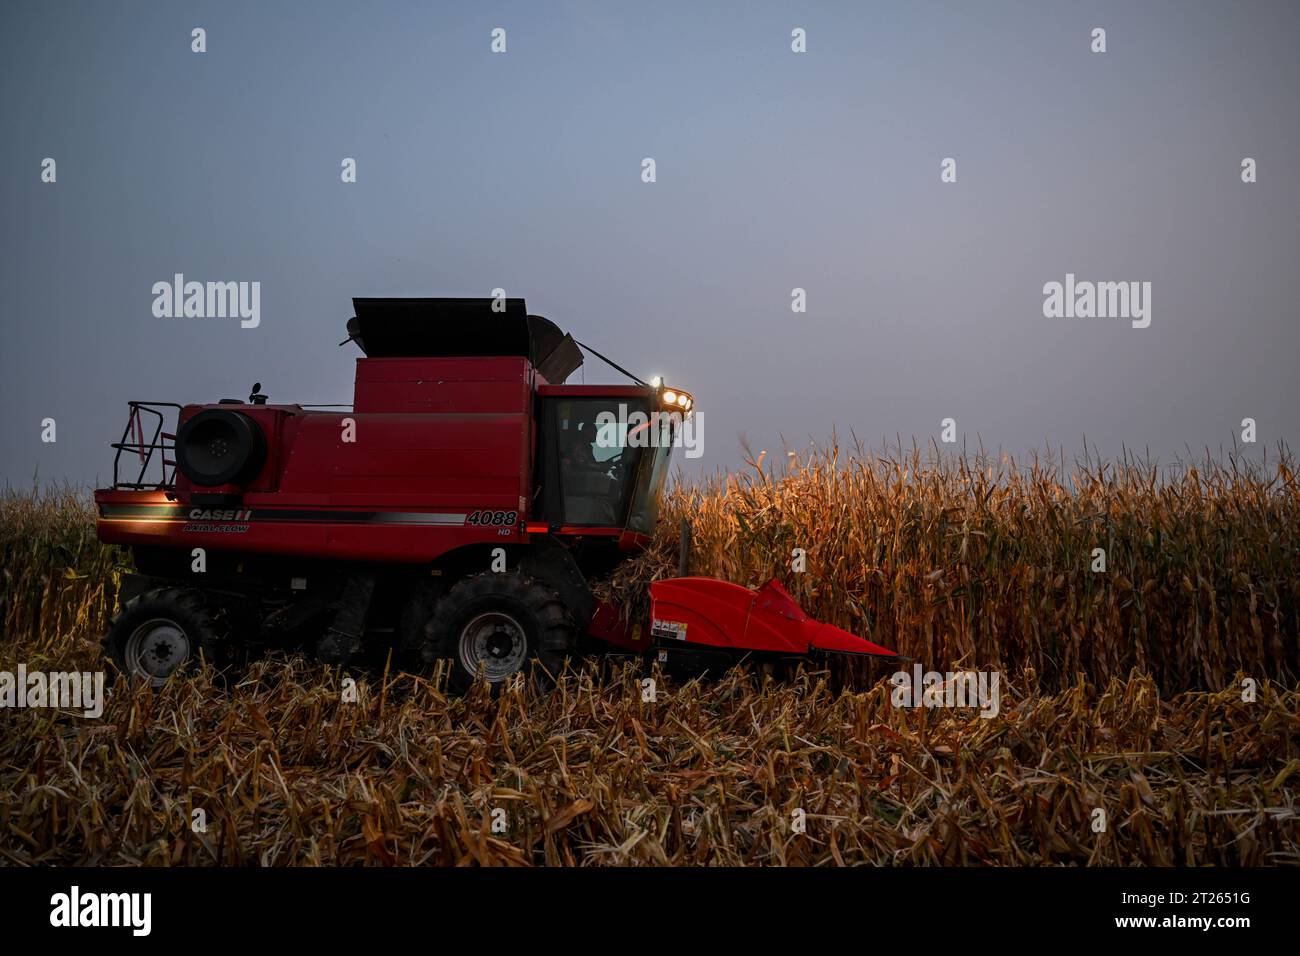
x: 458, y: 509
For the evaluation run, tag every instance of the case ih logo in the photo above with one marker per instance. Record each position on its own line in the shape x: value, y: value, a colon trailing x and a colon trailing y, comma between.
x: 219, y: 520
x: 229, y: 514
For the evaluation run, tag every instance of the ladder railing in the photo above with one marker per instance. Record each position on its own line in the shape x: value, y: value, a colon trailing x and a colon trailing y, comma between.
x: 133, y: 442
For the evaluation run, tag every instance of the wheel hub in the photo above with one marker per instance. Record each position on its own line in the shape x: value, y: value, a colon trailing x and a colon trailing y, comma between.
x: 493, y: 643
x: 156, y: 649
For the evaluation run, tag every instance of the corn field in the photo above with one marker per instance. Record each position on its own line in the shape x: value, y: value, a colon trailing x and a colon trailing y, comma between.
x: 1124, y: 735
x: 963, y: 561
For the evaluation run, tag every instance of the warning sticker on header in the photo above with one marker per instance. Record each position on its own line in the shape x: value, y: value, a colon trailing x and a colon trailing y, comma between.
x: 673, y: 630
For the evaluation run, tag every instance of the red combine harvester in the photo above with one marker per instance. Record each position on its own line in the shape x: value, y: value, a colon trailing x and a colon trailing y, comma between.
x: 458, y: 511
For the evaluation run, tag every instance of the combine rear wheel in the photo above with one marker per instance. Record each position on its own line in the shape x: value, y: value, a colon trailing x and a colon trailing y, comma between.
x: 161, y: 632
x: 493, y: 624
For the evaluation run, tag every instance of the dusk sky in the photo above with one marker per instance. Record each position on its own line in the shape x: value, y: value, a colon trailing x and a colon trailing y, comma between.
x: 774, y: 170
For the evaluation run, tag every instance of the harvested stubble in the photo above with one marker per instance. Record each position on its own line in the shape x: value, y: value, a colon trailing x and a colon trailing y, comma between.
x: 588, y: 773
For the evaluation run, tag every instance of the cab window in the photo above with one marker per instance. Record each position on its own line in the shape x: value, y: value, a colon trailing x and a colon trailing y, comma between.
x: 593, y: 465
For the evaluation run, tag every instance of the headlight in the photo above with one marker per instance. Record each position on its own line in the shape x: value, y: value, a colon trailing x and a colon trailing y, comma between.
x: 675, y: 400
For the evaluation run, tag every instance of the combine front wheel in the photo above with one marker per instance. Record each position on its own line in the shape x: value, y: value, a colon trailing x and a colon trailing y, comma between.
x: 494, y: 623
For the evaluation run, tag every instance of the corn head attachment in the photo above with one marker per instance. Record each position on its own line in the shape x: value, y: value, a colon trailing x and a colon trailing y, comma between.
x: 705, y: 613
